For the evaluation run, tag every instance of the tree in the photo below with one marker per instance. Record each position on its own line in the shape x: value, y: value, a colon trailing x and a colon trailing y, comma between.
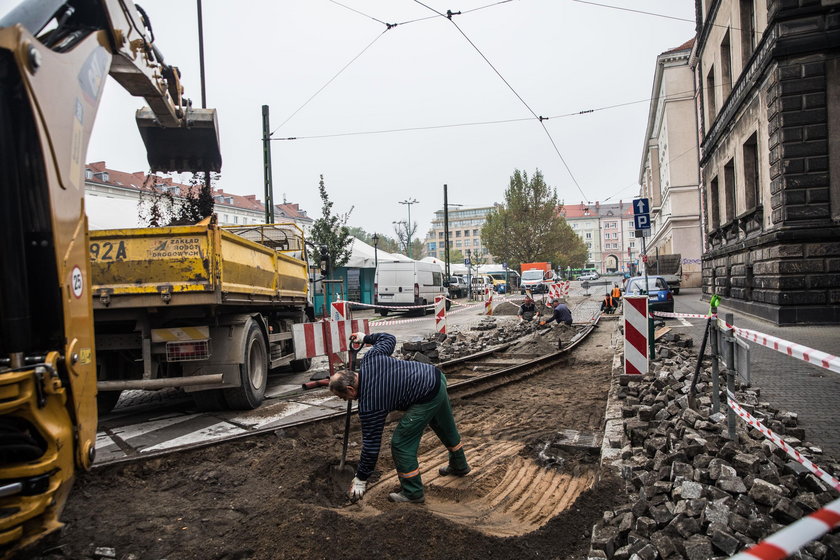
x: 529, y: 228
x: 331, y: 231
x: 403, y: 233
x: 159, y: 207
x: 455, y: 255
x: 384, y: 243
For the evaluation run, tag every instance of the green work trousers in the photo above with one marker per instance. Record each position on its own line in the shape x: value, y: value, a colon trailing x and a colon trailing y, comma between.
x: 436, y: 413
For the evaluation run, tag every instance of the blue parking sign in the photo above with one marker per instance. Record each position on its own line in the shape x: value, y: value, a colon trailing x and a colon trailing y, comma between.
x: 642, y: 221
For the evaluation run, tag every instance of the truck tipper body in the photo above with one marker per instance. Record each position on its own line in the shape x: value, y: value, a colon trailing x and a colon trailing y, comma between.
x: 206, y: 308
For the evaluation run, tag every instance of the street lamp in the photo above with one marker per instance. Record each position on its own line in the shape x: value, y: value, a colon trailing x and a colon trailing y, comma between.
x: 469, y: 274
x: 375, y: 250
x: 408, y: 203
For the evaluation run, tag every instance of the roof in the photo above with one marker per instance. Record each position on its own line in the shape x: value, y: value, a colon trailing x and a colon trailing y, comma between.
x: 684, y: 47
x: 292, y: 211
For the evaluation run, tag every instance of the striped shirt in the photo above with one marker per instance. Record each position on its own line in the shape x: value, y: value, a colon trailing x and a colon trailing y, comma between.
x: 387, y: 384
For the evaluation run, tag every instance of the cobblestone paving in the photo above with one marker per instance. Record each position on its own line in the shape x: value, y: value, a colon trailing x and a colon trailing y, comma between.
x: 785, y: 382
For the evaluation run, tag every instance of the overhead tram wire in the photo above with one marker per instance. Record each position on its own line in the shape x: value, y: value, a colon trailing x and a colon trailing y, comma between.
x: 337, y: 74
x: 360, y: 13
x: 676, y: 18
x: 448, y: 16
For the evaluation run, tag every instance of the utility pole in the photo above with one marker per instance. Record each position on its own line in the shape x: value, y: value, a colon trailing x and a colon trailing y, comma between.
x: 203, y: 88
x: 446, y: 228
x: 408, y: 203
x: 269, y: 186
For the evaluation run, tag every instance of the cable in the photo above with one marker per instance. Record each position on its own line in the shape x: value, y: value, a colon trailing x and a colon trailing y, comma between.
x: 566, y: 165
x: 358, y: 12
x: 650, y: 13
x: 329, y: 81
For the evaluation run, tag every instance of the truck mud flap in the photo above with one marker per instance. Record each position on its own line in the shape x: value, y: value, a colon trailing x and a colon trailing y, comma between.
x: 192, y: 148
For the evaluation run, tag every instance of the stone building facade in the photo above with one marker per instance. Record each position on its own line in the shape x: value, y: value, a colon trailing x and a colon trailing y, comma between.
x: 767, y: 76
x: 668, y: 174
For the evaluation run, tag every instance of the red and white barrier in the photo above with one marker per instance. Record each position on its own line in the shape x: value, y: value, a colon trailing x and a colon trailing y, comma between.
x: 787, y: 541
x: 440, y: 314
x: 815, y: 357
x: 782, y: 444
x: 687, y: 315
x: 636, y: 334
x: 311, y: 339
x: 488, y: 303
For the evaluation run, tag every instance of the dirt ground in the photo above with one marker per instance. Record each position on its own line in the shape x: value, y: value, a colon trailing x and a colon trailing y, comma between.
x: 273, y: 496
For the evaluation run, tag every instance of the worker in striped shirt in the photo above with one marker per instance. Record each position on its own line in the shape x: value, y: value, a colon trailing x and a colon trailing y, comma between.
x: 384, y: 384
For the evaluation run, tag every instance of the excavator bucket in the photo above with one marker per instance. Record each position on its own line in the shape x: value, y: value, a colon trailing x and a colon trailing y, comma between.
x: 192, y: 148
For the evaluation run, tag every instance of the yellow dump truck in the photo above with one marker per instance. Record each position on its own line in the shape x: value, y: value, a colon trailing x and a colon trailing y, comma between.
x: 206, y: 308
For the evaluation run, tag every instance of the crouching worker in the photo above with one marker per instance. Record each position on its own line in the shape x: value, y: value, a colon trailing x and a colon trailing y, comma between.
x: 561, y: 314
x: 384, y: 384
x: 608, y: 305
x: 528, y: 310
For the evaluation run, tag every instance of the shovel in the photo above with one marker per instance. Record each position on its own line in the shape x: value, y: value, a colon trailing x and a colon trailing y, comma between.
x: 344, y: 473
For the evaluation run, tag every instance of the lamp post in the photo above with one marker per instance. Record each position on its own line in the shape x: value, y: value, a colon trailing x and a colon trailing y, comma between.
x: 375, y: 250
x: 408, y: 202
x: 469, y: 274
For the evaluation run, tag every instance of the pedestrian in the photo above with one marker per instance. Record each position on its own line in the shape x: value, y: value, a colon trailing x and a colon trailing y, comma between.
x: 561, y: 314
x: 616, y: 294
x: 384, y: 384
x: 608, y: 304
x: 528, y: 309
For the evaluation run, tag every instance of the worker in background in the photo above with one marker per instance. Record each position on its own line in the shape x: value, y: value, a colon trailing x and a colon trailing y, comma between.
x: 384, y: 384
x: 561, y: 314
x: 608, y: 304
x: 528, y: 309
x: 616, y: 294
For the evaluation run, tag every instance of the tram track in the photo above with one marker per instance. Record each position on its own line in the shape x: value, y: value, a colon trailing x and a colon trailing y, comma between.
x: 468, y: 376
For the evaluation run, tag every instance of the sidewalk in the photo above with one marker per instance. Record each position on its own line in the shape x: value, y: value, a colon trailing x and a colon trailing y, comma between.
x: 785, y: 382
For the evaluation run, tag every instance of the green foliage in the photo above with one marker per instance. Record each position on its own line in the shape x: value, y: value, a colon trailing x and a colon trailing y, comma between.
x: 456, y: 256
x: 331, y: 230
x: 384, y: 243
x: 158, y: 207
x: 403, y: 233
x: 529, y: 228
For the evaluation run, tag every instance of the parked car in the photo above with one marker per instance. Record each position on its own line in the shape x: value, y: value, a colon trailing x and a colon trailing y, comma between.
x: 458, y: 287
x: 660, y: 296
x: 589, y: 276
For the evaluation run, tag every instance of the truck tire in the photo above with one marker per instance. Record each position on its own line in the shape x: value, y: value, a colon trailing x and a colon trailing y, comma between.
x: 209, y: 401
x: 106, y: 401
x: 253, y: 373
x: 299, y: 366
x: 383, y: 312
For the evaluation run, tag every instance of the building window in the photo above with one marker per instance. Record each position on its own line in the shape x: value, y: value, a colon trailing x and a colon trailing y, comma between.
x: 725, y: 67
x: 710, y: 96
x: 729, y: 189
x: 475, y: 233
x: 458, y: 244
x: 457, y: 233
x: 747, y: 30
x: 476, y: 243
x: 88, y: 173
x: 588, y: 235
x: 236, y: 219
x: 632, y: 244
x: 432, y: 246
x: 440, y: 235
x: 225, y: 218
x: 751, y: 182
x: 714, y: 205
x: 589, y: 245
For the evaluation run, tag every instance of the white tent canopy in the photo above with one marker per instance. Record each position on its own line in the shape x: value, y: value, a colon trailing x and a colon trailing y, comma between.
x: 365, y: 256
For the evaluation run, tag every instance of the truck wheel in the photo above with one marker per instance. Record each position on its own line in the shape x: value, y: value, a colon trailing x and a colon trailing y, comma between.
x: 383, y: 312
x: 301, y: 365
x: 106, y: 401
x: 448, y: 304
x: 209, y: 401
x: 253, y: 373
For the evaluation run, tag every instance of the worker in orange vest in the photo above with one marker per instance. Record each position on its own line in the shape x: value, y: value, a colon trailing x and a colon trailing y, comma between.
x: 616, y: 294
x: 608, y: 305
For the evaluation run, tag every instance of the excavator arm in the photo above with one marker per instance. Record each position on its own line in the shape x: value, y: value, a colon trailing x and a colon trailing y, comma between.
x: 54, y: 58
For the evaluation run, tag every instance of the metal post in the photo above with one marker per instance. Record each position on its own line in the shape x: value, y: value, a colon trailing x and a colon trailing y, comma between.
x: 203, y: 88
x: 730, y: 385
x: 469, y: 275
x: 644, y: 254
x: 269, y: 187
x: 715, y: 365
x: 408, y: 226
x: 446, y: 228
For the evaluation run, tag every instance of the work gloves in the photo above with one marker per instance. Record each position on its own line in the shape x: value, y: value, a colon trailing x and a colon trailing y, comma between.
x: 357, y: 340
x: 357, y: 489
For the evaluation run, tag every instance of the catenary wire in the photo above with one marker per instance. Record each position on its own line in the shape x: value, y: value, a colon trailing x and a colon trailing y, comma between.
x: 357, y: 11
x: 337, y: 74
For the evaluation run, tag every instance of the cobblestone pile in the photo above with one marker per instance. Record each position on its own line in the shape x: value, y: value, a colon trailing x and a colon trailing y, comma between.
x: 695, y: 493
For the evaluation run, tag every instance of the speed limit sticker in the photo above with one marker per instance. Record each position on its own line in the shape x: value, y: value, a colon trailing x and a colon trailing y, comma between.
x: 77, y: 281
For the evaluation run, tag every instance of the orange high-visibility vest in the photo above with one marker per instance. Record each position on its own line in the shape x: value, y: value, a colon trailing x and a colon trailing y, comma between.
x: 616, y: 292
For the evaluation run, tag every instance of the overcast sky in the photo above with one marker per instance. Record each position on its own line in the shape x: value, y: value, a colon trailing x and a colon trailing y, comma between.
x: 559, y: 56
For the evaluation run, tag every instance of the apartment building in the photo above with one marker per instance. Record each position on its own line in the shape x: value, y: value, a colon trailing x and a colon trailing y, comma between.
x: 464, y: 233
x: 113, y: 199
x: 767, y: 75
x: 608, y: 232
x: 668, y: 175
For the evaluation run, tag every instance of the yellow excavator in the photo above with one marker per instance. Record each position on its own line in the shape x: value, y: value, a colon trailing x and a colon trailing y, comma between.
x: 54, y: 58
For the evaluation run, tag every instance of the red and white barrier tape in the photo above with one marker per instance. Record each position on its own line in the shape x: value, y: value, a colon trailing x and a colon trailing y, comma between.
x: 815, y: 357
x: 394, y: 307
x: 689, y: 315
x: 768, y: 433
x: 787, y: 541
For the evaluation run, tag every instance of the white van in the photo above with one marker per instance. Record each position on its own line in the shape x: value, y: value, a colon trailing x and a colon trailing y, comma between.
x: 406, y: 283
